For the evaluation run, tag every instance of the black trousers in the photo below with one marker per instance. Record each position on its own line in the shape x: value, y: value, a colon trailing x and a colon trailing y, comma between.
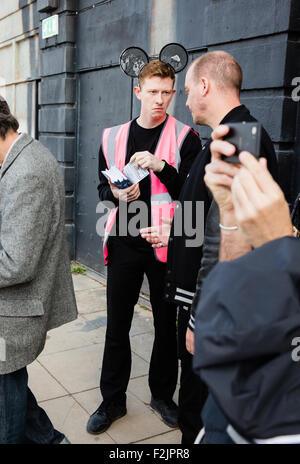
x: 193, y: 392
x: 126, y: 267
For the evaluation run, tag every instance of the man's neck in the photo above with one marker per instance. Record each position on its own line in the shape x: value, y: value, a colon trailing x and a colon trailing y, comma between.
x: 223, y: 110
x: 150, y: 123
x: 6, y: 144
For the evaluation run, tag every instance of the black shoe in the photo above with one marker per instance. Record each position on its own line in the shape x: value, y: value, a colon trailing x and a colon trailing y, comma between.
x: 168, y: 411
x: 104, y: 416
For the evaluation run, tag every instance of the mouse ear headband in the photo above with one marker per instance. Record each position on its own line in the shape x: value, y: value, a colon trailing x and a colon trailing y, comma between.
x: 133, y: 59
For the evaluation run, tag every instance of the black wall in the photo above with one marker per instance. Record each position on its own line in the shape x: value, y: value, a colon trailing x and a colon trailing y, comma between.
x: 83, y: 90
x: 57, y: 98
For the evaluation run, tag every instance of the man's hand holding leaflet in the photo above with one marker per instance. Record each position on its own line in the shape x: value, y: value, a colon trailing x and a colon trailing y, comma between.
x: 130, y: 175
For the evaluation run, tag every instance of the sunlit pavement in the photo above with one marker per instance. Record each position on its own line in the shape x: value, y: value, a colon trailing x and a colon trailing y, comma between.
x: 65, y: 377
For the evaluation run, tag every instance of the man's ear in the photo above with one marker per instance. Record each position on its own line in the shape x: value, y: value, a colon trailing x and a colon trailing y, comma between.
x: 205, y: 86
x: 137, y: 91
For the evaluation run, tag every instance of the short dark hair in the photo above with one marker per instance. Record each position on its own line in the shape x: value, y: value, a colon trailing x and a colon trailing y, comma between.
x: 221, y: 67
x: 156, y: 68
x: 7, y: 120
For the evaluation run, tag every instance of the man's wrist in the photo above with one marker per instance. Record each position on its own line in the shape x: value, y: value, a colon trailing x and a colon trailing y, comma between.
x: 227, y: 219
x: 288, y: 231
x: 116, y: 193
x: 162, y: 165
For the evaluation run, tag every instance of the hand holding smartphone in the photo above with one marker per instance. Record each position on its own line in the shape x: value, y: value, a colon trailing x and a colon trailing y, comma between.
x: 245, y: 136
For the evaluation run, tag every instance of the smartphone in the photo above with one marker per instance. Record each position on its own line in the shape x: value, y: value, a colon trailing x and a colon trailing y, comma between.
x: 245, y: 136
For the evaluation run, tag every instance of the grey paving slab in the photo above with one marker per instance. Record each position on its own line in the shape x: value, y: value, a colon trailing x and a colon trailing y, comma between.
x: 97, y: 319
x: 139, y: 388
x: 143, y: 311
x: 70, y: 418
x: 77, y: 369
x: 91, y: 300
x: 139, y: 367
x: 89, y: 399
x: 76, y: 334
x: 42, y: 384
x: 169, y: 438
x: 142, y: 321
x: 82, y: 282
x: 142, y: 345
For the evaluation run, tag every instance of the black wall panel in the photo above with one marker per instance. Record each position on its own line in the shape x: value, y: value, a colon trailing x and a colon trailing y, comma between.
x: 210, y: 22
x: 101, y: 104
x: 108, y: 29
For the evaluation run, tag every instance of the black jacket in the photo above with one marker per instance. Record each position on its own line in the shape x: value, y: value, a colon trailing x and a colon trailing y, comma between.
x: 247, y: 343
x: 184, y: 262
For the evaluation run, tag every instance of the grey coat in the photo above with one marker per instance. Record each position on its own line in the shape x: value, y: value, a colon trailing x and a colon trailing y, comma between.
x: 36, y: 289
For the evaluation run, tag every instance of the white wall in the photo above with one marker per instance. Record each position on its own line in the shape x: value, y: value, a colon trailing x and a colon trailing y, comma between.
x: 19, y: 61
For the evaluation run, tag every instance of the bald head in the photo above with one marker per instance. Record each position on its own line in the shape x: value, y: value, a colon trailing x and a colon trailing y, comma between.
x: 220, y: 67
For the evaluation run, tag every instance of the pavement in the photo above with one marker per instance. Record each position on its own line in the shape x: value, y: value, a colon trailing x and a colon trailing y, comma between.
x: 65, y: 377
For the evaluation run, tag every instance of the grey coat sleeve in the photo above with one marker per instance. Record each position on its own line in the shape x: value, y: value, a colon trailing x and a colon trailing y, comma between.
x: 25, y: 225
x: 210, y: 255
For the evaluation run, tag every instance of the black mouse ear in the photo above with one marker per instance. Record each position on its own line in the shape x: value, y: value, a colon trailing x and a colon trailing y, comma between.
x: 175, y: 55
x: 132, y: 60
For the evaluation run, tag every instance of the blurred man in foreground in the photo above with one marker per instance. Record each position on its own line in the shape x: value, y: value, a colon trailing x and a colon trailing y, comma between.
x: 248, y: 315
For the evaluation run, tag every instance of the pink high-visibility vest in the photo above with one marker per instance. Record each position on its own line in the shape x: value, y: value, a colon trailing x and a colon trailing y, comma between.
x: 114, y: 147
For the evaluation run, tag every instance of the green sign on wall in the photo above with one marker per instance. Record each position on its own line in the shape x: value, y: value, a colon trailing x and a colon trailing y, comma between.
x: 50, y: 27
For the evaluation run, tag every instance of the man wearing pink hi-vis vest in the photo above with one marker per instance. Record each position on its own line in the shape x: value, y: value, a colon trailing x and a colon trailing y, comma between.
x: 167, y: 147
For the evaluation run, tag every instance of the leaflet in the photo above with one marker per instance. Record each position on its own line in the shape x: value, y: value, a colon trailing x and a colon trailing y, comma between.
x: 130, y: 175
